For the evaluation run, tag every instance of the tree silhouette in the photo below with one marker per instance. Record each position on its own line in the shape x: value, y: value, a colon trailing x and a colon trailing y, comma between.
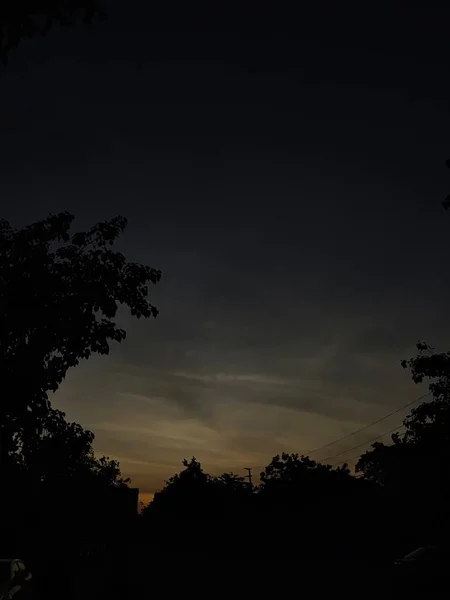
x: 59, y: 491
x: 425, y: 443
x: 414, y: 469
x: 186, y: 493
x: 27, y: 18
x: 294, y: 476
x: 385, y: 464
x: 298, y: 499
x: 59, y: 294
x: 231, y: 483
x: 308, y: 501
x: 55, y: 451
x: 192, y: 492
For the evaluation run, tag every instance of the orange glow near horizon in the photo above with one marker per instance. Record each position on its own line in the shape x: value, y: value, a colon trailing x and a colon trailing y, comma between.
x: 145, y: 497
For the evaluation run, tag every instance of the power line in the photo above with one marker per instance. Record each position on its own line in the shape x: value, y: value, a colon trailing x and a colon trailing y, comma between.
x: 368, y: 425
x: 363, y: 444
x: 353, y: 448
x: 394, y: 412
x: 354, y: 458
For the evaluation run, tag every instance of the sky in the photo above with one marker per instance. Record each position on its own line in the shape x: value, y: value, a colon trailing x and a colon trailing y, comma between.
x: 285, y: 170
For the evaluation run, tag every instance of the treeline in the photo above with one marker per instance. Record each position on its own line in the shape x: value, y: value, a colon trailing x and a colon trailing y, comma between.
x: 60, y: 504
x: 395, y: 501
x: 54, y: 471
x: 59, y: 294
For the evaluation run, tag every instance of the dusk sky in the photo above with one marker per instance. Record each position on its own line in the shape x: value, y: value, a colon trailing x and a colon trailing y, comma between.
x: 286, y: 172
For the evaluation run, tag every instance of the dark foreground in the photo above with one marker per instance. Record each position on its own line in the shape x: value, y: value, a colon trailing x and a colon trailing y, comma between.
x: 230, y: 561
x: 140, y: 571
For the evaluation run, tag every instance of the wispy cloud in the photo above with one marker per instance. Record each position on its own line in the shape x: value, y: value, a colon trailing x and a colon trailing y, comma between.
x: 230, y: 378
x: 229, y: 403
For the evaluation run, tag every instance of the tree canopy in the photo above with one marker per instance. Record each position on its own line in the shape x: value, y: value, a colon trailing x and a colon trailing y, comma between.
x: 59, y: 452
x: 59, y: 294
x: 396, y: 500
x: 27, y: 18
x: 425, y: 443
x: 413, y: 471
x: 192, y: 492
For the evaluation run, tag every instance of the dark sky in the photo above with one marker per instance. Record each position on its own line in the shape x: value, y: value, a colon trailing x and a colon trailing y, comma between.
x: 285, y: 170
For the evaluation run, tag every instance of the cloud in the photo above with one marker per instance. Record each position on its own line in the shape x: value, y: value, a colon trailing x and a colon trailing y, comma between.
x: 288, y: 296
x: 231, y: 407
x: 282, y: 332
x: 237, y: 379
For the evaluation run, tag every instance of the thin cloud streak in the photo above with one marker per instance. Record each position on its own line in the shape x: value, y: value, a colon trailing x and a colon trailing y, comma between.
x: 235, y: 378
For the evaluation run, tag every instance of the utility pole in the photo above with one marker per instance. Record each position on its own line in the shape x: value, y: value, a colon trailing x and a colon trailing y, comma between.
x: 250, y: 484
